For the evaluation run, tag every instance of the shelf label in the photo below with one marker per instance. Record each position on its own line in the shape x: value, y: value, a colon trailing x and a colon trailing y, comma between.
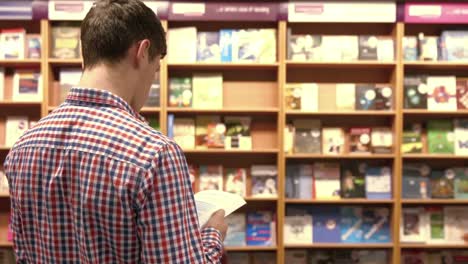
x: 224, y: 11
x: 451, y: 13
x: 15, y: 10
x: 160, y: 8
x: 340, y: 11
x: 69, y: 10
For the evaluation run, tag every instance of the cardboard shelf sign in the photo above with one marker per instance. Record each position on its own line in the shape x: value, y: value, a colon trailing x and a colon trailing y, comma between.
x: 434, y: 13
x: 16, y: 10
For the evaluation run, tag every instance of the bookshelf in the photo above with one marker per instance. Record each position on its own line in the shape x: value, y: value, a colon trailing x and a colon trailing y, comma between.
x: 270, y: 115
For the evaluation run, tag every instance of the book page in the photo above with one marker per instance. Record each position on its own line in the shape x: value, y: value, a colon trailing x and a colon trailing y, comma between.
x: 208, y: 202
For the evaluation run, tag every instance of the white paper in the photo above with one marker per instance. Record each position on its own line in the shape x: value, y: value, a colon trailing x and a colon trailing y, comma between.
x: 208, y: 202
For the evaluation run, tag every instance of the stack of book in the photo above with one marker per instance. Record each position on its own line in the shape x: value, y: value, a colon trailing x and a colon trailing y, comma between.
x: 449, y: 46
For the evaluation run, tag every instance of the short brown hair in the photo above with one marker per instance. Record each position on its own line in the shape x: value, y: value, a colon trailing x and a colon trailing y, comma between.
x: 111, y: 27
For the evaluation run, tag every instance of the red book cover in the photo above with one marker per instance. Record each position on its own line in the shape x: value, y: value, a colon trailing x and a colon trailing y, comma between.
x: 360, y: 140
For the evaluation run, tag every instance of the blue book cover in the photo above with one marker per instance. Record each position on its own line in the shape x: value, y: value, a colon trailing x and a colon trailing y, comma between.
x: 453, y: 45
x: 379, y: 183
x: 170, y: 126
x: 326, y: 222
x: 351, y: 224
x: 226, y: 37
x: 306, y: 184
x: 236, y: 234
x: 208, y: 48
x: 376, y: 225
x: 259, y: 229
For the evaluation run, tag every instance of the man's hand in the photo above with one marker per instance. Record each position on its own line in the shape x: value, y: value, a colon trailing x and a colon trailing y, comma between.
x: 217, y: 222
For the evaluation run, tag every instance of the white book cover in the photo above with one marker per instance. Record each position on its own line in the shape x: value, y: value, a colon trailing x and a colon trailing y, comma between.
x: 385, y: 49
x: 207, y: 91
x: 254, y: 45
x: 349, y: 48
x: 27, y: 86
x: 414, y: 225
x: 327, y: 180
x: 2, y: 84
x: 298, y: 229
x: 456, y: 223
x: 331, y: 48
x: 210, y: 201
x: 442, y: 94
x: 264, y: 181
x: 184, y: 132
x: 333, y: 140
x: 347, y: 96
x: 461, y: 136
x: 12, y: 42
x: 182, y: 45
x: 382, y: 139
x: 15, y: 128
x: 309, y: 97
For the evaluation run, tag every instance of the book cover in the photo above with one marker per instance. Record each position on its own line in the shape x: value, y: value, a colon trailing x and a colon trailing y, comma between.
x: 440, y: 136
x: 461, y: 136
x: 327, y: 180
x: 292, y: 181
x: 353, y: 180
x: 154, y: 96
x: 68, y: 78
x: 462, y: 93
x: 307, y: 136
x: 211, y: 177
x: 347, y: 99
x: 201, y: 130
x: 298, y: 229
x: 442, y: 184
x: 226, y: 42
x: 410, y: 48
x: 255, y: 45
x: 236, y: 234
x: 383, y: 97
x: 297, y: 256
x: 260, y: 229
x: 333, y: 140
x: 326, y: 225
x: 428, y: 47
x: 33, y: 46
x: 327, y: 97
x: 184, y: 132
x: 385, y: 49
x: 368, y: 46
x: 309, y: 97
x: 182, y: 45
x: 415, y: 89
x: 365, y: 97
x: 216, y: 133
x: 27, y: 86
x: 264, y: 179
x: 331, y: 48
x: 435, y: 216
x: 442, y: 93
x: 180, y: 92
x: 66, y: 41
x: 238, y: 257
x: 12, y: 42
x: 415, y: 256
x: 263, y: 258
x: 360, y: 140
x: 376, y: 225
x: 461, y: 183
x: 304, y: 47
x: 349, y: 48
x: 379, y: 183
x: 412, y: 139
x: 288, y: 137
x: 416, y: 181
x: 382, y: 140
x: 456, y: 224
x: 236, y: 181
x: 238, y: 133
x: 207, y: 91
x: 208, y: 49
x: 453, y: 45
x: 14, y: 128
x: 351, y: 224
x: 293, y: 96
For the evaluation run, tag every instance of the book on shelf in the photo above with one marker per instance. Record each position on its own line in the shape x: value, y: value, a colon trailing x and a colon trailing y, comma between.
x: 376, y: 225
x: 461, y: 136
x: 327, y: 180
x: 238, y: 258
x: 209, y: 201
x: 226, y: 44
x: 410, y: 48
x: 351, y: 224
x: 69, y: 77
x: 180, y: 92
x: 436, y: 225
x: 383, y: 97
x: 236, y: 235
x: 333, y: 140
x: 365, y: 97
x: 301, y: 96
x: 453, y: 45
x: 33, y: 46
x: 304, y: 47
x: 349, y: 48
x: 456, y: 224
x: 27, y: 85
x: 236, y: 181
x: 385, y: 49
x: 208, y: 49
x: 66, y: 41
x: 184, y: 132
x: 298, y: 229
x: 442, y: 184
x: 261, y: 229
x: 415, y: 256
x: 300, y: 181
x: 264, y: 181
x: 326, y: 225
x: 440, y: 136
x: 288, y: 137
x: 414, y: 225
x: 462, y: 93
x: 412, y: 139
x: 264, y: 258
x: 12, y: 42
x: 415, y: 90
x: 327, y: 97
x: 442, y: 93
x: 461, y: 183
x: 14, y: 128
x: 238, y: 132
x: 296, y: 256
x: 211, y: 177
x: 346, y: 100
x: 307, y: 136
x: 360, y: 140
x: 368, y: 46
x: 331, y: 48
x: 182, y: 45
x: 416, y: 181
x: 154, y: 95
x: 382, y: 140
x: 207, y: 91
x: 2, y: 83
x: 378, y: 182
x: 202, y: 133
x: 353, y: 180
x: 428, y: 47
x: 255, y: 45
x: 321, y: 256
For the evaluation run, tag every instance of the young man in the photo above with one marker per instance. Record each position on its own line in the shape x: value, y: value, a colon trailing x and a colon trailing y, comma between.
x: 92, y: 182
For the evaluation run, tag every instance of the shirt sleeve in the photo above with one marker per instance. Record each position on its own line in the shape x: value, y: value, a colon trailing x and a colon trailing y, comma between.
x: 168, y: 225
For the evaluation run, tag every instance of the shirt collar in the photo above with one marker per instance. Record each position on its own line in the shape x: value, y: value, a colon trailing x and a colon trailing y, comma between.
x: 94, y: 97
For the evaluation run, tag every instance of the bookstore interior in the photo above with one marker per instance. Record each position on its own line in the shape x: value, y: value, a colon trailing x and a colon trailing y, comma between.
x: 342, y: 124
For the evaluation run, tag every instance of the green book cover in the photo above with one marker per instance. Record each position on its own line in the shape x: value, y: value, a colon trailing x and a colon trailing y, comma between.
x: 437, y: 225
x: 412, y: 141
x: 180, y: 92
x: 461, y: 183
x: 154, y: 123
x: 440, y: 137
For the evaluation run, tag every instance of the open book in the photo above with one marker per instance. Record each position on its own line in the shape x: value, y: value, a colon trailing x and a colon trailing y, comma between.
x: 210, y: 201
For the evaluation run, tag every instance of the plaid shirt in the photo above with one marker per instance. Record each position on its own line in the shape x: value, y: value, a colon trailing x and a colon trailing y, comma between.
x: 93, y: 183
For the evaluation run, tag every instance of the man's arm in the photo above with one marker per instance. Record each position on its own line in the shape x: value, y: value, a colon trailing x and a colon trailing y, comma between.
x: 167, y: 219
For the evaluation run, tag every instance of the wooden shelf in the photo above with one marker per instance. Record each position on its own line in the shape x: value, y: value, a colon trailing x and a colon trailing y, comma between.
x: 11, y: 103
x: 341, y: 65
x: 251, y: 248
x: 23, y: 62
x: 341, y: 201
x: 4, y: 195
x: 342, y: 156
x: 433, y: 246
x: 261, y: 199
x: 65, y: 62
x: 434, y: 201
x: 150, y: 109
x: 3, y: 148
x: 221, y: 66
x: 224, y: 111
x: 434, y: 113
x: 342, y: 113
x: 436, y: 65
x: 340, y: 245
x: 434, y: 156
x: 231, y: 151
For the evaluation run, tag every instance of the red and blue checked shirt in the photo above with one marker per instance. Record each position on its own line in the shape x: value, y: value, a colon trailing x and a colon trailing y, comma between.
x: 93, y: 183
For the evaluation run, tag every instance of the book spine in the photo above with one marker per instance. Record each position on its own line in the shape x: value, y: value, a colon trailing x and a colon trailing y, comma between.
x: 170, y: 126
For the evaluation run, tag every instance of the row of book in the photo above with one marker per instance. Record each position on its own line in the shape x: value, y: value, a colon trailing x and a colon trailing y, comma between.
x: 207, y: 131
x: 199, y: 91
x: 251, y: 258
x: 444, y: 136
x: 16, y: 44
x: 187, y: 45
x: 434, y: 225
x: 332, y: 180
x: 308, y: 136
x: 346, y: 224
x: 339, y: 256
x: 434, y: 257
x: 449, y: 46
x: 15, y: 126
x: 316, y: 97
x: 436, y: 93
x: 27, y: 85
x: 422, y: 182
x: 263, y: 179
x: 251, y: 229
x: 330, y: 48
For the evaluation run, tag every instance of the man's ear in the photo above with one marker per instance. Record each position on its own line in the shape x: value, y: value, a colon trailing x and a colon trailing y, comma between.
x: 142, y: 51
